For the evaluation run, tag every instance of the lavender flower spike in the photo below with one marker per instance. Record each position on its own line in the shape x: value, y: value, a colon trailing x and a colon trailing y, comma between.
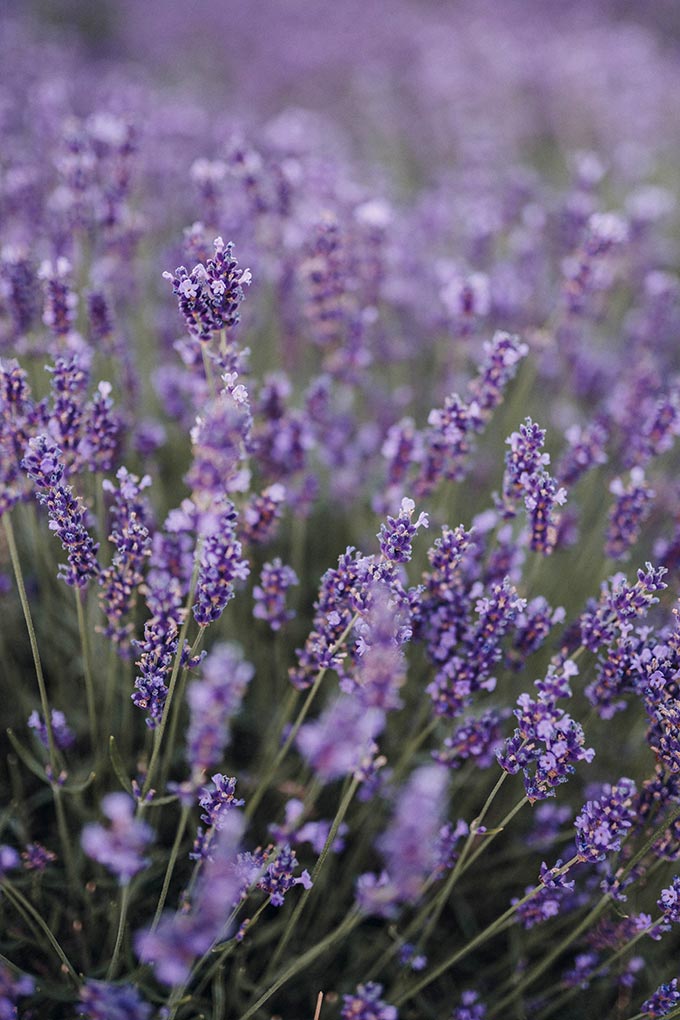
x: 366, y: 1004
x: 120, y: 846
x: 68, y: 517
x: 396, y: 535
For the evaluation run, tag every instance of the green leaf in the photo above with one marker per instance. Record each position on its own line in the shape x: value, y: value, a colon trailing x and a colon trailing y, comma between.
x: 27, y: 758
x: 118, y: 766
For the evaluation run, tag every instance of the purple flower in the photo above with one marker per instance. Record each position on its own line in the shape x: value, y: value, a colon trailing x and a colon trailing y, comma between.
x: 12, y: 988
x: 101, y: 429
x: 68, y: 517
x: 261, y: 514
x: 468, y: 670
x: 60, y: 302
x: 221, y: 564
x: 669, y: 903
x: 216, y: 801
x: 380, y: 664
x: 37, y: 857
x: 20, y: 292
x: 336, y: 743
x: 210, y: 295
x: 130, y: 534
x: 586, y: 451
x: 366, y: 1004
x: 664, y: 999
x: 551, y: 899
x: 121, y: 846
x: 547, y: 743
x: 213, y: 700
x: 101, y: 1000
x: 64, y: 736
x: 619, y: 604
x: 632, y: 506
x: 526, y: 479
x: 220, y: 439
x: 410, y: 844
x: 270, y: 594
x: 476, y: 739
x: 182, y: 937
x: 604, y: 823
x: 9, y: 859
x: 397, y: 534
x: 471, y: 1007
x: 524, y: 460
x: 278, y: 878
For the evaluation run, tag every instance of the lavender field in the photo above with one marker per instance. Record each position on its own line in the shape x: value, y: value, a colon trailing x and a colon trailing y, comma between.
x: 340, y: 510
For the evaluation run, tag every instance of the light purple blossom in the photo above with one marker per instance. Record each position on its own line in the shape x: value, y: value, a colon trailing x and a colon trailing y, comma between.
x: 120, y: 847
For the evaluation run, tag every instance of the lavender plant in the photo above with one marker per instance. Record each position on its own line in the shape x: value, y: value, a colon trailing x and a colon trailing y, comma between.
x: 339, y: 565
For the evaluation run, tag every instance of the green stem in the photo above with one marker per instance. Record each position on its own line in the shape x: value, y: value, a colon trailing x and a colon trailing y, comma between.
x: 571, y: 992
x: 259, y: 793
x: 25, y: 605
x: 171, y: 865
x: 87, y: 670
x: 176, y: 710
x: 304, y: 961
x: 23, y: 905
x: 158, y: 733
x: 122, y: 919
x: 598, y: 909
x: 295, y: 916
x: 64, y: 836
x: 207, y: 366
x: 493, y: 929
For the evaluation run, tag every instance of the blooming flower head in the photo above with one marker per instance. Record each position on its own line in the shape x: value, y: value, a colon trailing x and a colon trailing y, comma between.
x: 213, y: 700
x: 397, y: 534
x: 603, y: 823
x: 663, y: 1001
x: 366, y: 1004
x: 210, y: 295
x: 121, y: 846
x: 181, y: 937
x: 69, y: 519
x: 101, y: 1000
x: 64, y: 736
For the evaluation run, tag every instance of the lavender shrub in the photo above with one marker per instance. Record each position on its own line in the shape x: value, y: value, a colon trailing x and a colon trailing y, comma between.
x: 369, y: 546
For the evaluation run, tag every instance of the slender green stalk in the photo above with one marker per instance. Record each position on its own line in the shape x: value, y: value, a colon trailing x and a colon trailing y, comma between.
x: 597, y: 910
x: 22, y: 904
x: 122, y: 920
x: 224, y: 951
x: 87, y: 670
x: 304, y: 961
x: 178, y: 701
x: 259, y: 793
x: 493, y: 929
x: 209, y: 375
x: 64, y: 837
x: 571, y: 992
x: 181, y: 826
x: 300, y: 906
x: 158, y: 733
x: 26, y: 607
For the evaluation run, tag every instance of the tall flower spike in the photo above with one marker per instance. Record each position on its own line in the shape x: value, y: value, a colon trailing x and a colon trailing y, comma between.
x: 366, y: 1004
x: 604, y: 823
x: 397, y: 534
x: 270, y: 594
x: 221, y: 564
x: 631, y: 508
x: 213, y: 700
x: 68, y: 517
x: 121, y: 846
x: 210, y: 295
